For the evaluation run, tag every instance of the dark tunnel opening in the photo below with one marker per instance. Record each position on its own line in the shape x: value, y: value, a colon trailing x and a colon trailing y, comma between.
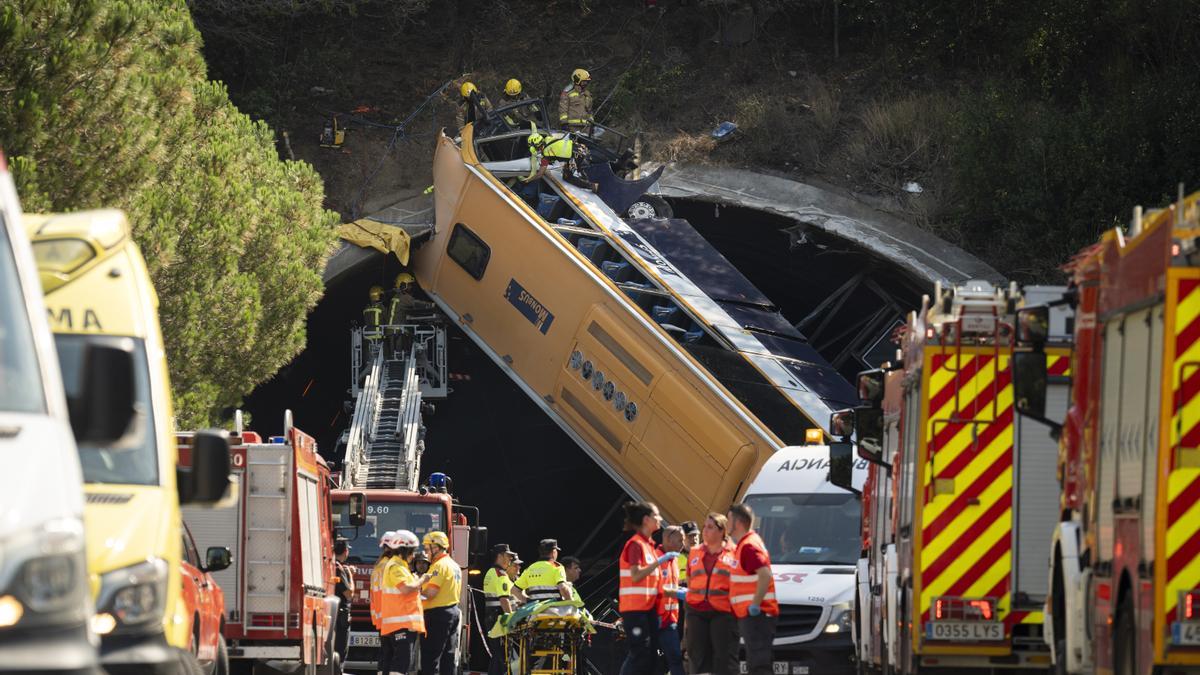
x: 529, y: 479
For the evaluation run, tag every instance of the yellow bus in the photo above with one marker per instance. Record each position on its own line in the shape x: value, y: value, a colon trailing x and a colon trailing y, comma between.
x: 98, y: 293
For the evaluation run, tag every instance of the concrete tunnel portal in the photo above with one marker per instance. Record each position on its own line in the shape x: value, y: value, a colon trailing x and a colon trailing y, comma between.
x: 845, y: 290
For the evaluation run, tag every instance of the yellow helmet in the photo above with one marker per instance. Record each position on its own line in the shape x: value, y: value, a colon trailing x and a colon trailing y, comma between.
x: 580, y: 75
x: 536, y: 139
x: 467, y: 89
x: 376, y: 293
x: 513, y: 87
x: 436, y: 538
x: 404, y: 278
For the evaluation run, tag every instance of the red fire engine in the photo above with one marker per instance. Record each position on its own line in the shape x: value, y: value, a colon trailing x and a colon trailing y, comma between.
x: 279, y: 590
x: 1125, y: 567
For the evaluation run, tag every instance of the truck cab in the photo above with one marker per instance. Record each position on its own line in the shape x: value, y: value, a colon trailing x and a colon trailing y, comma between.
x: 45, y: 604
x: 811, y: 529
x: 98, y: 295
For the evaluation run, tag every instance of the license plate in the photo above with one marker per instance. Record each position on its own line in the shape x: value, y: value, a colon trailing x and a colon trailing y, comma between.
x: 778, y: 668
x: 965, y: 631
x: 364, y: 640
x: 1185, y: 633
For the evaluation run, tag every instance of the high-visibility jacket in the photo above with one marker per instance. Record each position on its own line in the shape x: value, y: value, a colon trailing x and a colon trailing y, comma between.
x: 446, y: 581
x: 713, y: 587
x: 637, y: 596
x: 575, y: 106
x: 400, y: 607
x: 540, y: 580
x: 682, y: 561
x: 376, y: 578
x: 496, y: 585
x: 668, y: 601
x: 372, y: 318
x: 743, y: 584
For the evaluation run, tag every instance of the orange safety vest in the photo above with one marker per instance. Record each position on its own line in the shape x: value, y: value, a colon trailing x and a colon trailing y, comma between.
x: 376, y: 574
x: 638, y: 596
x: 742, y: 583
x: 715, y: 587
x: 668, y: 602
x: 400, y: 608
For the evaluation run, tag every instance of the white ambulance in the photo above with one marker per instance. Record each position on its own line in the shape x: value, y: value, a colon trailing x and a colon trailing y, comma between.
x: 812, y: 531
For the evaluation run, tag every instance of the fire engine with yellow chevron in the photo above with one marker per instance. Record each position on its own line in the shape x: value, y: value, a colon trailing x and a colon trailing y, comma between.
x: 963, y: 497
x: 1125, y: 562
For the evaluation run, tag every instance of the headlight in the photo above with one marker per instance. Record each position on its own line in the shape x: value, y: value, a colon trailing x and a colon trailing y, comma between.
x: 841, y: 618
x: 45, y: 577
x: 135, y: 595
x: 49, y: 581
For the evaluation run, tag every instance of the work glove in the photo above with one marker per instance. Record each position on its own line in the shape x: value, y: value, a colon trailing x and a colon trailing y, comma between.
x: 668, y: 557
x: 681, y: 593
x: 754, y: 610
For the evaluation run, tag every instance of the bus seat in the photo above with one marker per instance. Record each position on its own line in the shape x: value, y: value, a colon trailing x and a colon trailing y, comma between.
x: 546, y: 204
x: 589, y: 247
x: 617, y: 271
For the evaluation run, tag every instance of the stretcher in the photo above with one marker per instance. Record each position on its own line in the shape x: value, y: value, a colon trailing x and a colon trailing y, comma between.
x: 545, y: 637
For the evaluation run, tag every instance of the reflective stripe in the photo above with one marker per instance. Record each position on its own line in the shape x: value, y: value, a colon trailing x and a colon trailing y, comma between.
x: 750, y: 598
x: 646, y: 592
x: 403, y: 619
x: 626, y: 573
x: 744, y: 578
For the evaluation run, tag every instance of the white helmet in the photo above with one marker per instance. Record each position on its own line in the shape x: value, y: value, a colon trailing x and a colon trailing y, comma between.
x: 407, y: 539
x: 388, y: 540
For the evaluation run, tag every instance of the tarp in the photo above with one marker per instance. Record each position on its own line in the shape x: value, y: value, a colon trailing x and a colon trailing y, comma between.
x: 382, y: 237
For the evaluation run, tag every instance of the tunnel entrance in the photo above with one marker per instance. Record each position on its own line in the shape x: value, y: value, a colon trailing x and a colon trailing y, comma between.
x: 529, y: 479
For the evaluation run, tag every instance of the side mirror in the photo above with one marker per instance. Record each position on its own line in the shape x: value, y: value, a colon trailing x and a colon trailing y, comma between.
x: 870, y: 387
x: 206, y: 480
x: 841, y: 465
x: 1029, y: 383
x: 479, y: 548
x: 1033, y: 326
x: 217, y: 558
x: 103, y: 409
x: 868, y: 431
x: 357, y: 506
x: 841, y: 423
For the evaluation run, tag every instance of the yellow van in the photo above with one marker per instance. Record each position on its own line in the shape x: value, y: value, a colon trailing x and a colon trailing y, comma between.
x: 98, y: 292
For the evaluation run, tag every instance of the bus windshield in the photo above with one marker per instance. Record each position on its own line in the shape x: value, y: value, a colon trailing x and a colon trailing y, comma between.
x: 20, y: 381
x: 134, y: 459
x: 382, y: 517
x: 809, y: 529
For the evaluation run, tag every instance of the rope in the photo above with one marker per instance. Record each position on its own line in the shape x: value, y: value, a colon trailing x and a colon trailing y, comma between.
x: 478, y: 623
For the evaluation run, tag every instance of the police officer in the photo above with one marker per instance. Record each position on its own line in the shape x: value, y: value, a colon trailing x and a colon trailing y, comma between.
x: 401, y: 619
x: 497, y: 591
x: 544, y: 579
x: 344, y: 590
x: 441, y: 593
x: 575, y: 103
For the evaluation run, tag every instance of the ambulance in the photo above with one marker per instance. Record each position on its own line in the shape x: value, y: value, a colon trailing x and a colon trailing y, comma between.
x: 811, y: 529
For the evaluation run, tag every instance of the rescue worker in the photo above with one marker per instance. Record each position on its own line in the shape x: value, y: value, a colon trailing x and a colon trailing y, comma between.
x: 401, y: 305
x: 344, y: 590
x: 572, y: 568
x: 557, y: 147
x: 710, y: 632
x: 401, y: 619
x: 420, y: 563
x: 497, y: 593
x: 373, y: 318
x: 443, y: 619
x: 375, y: 596
x: 473, y: 106
x: 669, y: 593
x: 575, y: 103
x: 512, y: 92
x: 522, y: 115
x: 544, y: 579
x: 639, y: 586
x: 514, y: 568
x: 752, y: 591
x: 691, y: 539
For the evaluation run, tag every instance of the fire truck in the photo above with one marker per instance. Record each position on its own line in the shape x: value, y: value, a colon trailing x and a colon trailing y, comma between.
x: 960, y: 503
x: 1125, y: 566
x: 279, y: 590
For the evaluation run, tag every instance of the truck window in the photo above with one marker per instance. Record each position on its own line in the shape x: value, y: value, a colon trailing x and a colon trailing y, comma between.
x: 20, y: 381
x: 809, y: 529
x: 383, y: 517
x: 134, y: 459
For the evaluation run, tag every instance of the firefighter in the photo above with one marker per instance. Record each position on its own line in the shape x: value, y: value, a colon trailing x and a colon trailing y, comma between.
x: 639, y: 586
x: 473, y: 106
x: 557, y: 147
x: 442, y: 617
x: 711, y: 629
x: 401, y: 619
x: 668, y: 600
x: 497, y: 591
x: 544, y: 579
x: 344, y: 590
x: 752, y: 590
x: 575, y: 103
x: 520, y: 116
x: 375, y: 596
x: 373, y: 317
x: 400, y: 306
